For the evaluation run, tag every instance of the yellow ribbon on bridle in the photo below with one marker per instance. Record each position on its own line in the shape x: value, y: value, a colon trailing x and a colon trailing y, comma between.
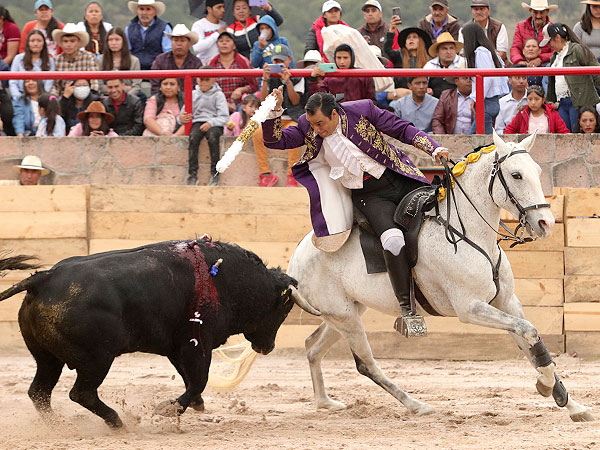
x: 460, y: 167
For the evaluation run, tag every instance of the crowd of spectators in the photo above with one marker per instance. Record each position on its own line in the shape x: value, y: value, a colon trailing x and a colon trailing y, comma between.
x: 235, y: 35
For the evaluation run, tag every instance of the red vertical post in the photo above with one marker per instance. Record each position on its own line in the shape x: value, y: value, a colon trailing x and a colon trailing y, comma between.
x: 479, y: 105
x: 188, y: 87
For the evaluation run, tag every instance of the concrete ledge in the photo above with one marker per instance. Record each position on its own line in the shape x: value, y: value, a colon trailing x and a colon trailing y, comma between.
x: 566, y: 160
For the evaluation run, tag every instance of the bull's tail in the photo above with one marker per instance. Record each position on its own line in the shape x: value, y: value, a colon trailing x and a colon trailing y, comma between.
x: 19, y: 262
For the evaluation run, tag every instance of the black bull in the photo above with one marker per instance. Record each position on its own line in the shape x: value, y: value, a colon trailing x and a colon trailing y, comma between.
x: 161, y: 298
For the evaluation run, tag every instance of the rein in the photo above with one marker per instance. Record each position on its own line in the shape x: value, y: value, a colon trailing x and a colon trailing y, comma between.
x: 454, y: 236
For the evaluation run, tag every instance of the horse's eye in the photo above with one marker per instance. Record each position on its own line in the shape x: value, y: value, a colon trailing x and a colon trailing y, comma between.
x: 517, y: 175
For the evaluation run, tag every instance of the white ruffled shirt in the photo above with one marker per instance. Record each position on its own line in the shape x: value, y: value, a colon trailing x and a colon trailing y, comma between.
x: 348, y: 163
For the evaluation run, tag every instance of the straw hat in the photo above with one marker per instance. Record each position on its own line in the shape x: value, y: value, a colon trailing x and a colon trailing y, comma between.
x: 182, y: 31
x: 591, y: 2
x: 311, y: 57
x: 444, y: 38
x: 96, y: 107
x: 158, y: 6
x: 460, y: 65
x: 71, y: 29
x: 539, y: 5
x: 31, y: 162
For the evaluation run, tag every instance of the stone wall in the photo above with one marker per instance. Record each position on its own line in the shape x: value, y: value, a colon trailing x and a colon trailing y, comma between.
x: 571, y: 160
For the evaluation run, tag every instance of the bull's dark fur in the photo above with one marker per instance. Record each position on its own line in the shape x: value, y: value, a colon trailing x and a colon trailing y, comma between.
x: 85, y: 311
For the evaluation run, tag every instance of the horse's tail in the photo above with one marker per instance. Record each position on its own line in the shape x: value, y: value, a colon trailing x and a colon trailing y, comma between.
x: 19, y: 262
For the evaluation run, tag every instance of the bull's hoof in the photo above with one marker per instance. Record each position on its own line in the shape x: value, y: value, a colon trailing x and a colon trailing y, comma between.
x: 197, y: 405
x: 169, y: 408
x: 543, y: 390
x: 584, y: 416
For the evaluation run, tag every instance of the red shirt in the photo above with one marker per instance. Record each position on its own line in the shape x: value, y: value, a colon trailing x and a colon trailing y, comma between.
x: 9, y: 33
x: 116, y: 105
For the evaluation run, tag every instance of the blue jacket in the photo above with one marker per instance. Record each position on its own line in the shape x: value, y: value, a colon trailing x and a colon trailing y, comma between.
x: 262, y: 56
x: 149, y: 47
x: 23, y: 117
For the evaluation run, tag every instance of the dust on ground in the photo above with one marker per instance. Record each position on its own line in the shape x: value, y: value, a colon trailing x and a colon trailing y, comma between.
x: 478, y: 405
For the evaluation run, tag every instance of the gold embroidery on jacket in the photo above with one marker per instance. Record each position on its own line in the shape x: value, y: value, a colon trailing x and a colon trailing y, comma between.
x: 343, y: 121
x: 369, y: 133
x: 422, y: 143
x: 277, y: 130
x: 311, y: 146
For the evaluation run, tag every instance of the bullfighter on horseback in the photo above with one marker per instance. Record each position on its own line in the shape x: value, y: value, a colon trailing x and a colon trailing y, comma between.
x: 347, y: 162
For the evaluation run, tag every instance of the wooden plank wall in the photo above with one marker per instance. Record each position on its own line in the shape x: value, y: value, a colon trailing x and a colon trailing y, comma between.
x: 49, y: 222
x: 57, y: 222
x: 582, y: 271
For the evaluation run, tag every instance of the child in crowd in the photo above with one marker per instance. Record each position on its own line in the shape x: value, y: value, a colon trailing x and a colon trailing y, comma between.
x: 51, y: 123
x: 588, y: 122
x: 537, y: 116
x: 239, y: 119
x: 210, y: 114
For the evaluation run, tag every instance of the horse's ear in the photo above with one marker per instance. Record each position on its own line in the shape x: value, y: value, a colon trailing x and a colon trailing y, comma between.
x: 498, y: 142
x: 528, y: 142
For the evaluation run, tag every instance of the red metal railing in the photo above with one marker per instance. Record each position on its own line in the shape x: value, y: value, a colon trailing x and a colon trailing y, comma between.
x: 188, y: 75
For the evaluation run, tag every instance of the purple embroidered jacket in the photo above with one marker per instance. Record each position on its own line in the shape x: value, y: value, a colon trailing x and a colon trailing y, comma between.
x: 363, y: 124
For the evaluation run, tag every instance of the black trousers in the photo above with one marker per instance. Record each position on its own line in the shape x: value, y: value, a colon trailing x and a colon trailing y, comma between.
x: 213, y: 136
x: 378, y: 198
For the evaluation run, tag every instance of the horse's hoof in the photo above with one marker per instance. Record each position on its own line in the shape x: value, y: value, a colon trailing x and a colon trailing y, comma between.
x: 422, y: 409
x: 168, y: 408
x: 584, y: 416
x: 331, y: 405
x: 544, y: 391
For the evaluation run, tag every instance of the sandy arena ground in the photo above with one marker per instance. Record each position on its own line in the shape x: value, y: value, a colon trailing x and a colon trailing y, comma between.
x: 479, y: 405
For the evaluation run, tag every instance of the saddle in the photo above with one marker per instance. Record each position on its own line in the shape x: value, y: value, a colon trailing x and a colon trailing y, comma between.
x: 410, y: 215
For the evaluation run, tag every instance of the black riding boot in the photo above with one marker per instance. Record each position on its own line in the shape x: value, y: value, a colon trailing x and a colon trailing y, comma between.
x: 399, y: 273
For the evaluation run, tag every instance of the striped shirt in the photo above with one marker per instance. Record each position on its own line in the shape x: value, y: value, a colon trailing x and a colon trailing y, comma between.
x: 83, y: 61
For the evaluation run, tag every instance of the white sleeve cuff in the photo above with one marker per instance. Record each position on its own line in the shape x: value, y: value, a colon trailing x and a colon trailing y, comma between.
x: 436, y: 151
x: 275, y: 113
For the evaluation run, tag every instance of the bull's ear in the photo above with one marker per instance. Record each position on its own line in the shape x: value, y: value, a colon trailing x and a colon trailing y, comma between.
x: 528, y: 142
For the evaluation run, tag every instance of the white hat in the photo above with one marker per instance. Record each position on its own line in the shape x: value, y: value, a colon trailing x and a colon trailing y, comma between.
x: 539, y: 5
x: 158, y: 6
x: 374, y: 3
x: 181, y: 30
x: 330, y: 4
x: 74, y: 30
x: 311, y: 56
x: 31, y: 162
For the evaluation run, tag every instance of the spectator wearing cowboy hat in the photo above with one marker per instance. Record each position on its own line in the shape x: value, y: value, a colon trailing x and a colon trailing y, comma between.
x: 495, y: 30
x: 30, y: 171
x: 588, y: 28
x: 532, y: 27
x: 412, y: 54
x: 439, y: 21
x: 147, y: 33
x: 375, y: 29
x: 72, y: 38
x: 179, y: 58
x: 445, y: 52
x: 94, y: 121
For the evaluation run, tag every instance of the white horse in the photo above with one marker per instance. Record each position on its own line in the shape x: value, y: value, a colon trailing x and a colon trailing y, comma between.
x: 456, y: 284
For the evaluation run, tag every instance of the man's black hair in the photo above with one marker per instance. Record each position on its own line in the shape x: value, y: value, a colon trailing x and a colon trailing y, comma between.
x: 321, y: 101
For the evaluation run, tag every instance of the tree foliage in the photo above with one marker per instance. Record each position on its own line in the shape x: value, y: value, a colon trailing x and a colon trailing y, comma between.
x: 299, y: 15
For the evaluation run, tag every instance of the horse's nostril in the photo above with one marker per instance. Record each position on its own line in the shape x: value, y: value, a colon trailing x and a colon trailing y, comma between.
x: 543, y: 224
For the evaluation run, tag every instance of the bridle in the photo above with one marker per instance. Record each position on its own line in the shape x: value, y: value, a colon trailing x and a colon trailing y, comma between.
x: 454, y: 236
x: 497, y: 173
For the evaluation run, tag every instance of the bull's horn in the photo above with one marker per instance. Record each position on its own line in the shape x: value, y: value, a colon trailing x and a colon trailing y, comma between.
x: 302, y: 302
